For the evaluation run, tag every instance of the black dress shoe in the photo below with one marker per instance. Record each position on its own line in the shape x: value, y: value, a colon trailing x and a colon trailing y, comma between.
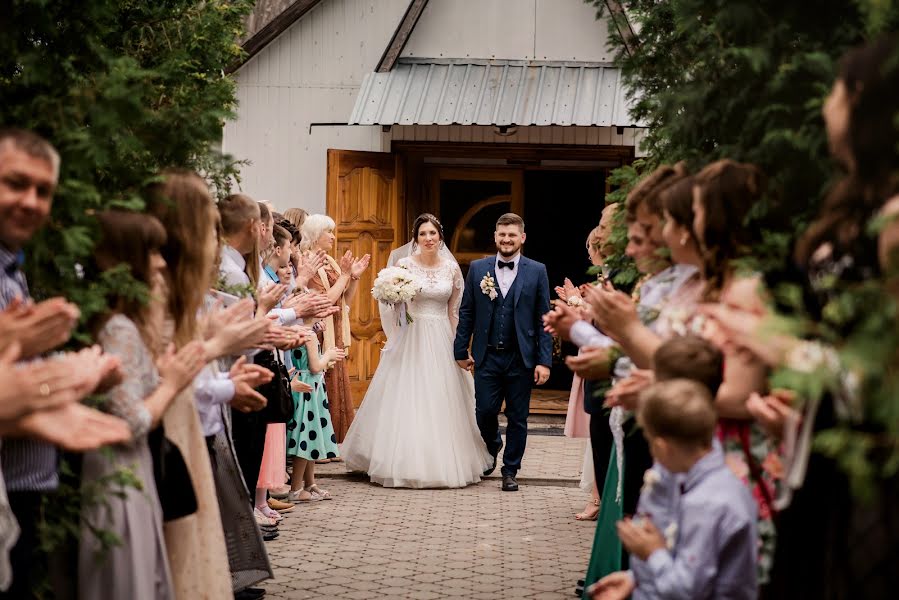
x: 249, y: 594
x: 509, y: 483
x: 487, y: 472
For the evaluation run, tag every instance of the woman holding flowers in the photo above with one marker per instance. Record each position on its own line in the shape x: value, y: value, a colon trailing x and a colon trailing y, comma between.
x: 416, y: 426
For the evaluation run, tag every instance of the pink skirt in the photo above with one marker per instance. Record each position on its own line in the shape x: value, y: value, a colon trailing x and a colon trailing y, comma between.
x: 577, y: 423
x: 272, y: 472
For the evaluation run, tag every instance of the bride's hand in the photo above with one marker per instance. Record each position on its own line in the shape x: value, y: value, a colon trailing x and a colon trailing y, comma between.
x: 467, y: 364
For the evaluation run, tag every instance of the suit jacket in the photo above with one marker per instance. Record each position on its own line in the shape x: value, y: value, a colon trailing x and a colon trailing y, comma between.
x: 530, y: 292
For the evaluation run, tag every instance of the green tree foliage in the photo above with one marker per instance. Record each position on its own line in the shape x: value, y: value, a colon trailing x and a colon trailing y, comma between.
x: 744, y: 79
x: 123, y: 88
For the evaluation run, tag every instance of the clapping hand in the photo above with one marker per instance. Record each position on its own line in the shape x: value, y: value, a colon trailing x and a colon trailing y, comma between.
x: 346, y: 262
x: 178, y: 369
x: 34, y: 386
x: 359, y: 266
x: 774, y: 411
x: 308, y: 266
x: 560, y: 320
x: 39, y: 327
x: 236, y: 331
x: 245, y: 377
x: 626, y: 393
x: 566, y: 291
x: 285, y: 338
x: 640, y: 538
x: 74, y: 427
x: 613, y: 311
x: 591, y: 364
x: 297, y: 385
x: 311, y: 305
x: 269, y: 298
x: 335, y: 354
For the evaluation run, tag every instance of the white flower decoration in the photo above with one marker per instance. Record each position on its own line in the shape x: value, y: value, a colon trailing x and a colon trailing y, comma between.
x: 575, y: 301
x: 670, y: 534
x: 650, y: 478
x: 809, y: 357
x: 488, y: 286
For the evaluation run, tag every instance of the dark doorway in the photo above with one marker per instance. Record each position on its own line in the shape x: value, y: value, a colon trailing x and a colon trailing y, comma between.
x: 560, y: 210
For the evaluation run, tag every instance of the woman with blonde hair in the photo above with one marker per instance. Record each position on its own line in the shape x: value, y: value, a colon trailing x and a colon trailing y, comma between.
x: 296, y: 216
x: 195, y: 544
x: 338, y: 281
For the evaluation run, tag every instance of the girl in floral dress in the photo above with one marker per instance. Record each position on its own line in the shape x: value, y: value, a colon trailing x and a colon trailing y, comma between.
x: 310, y: 434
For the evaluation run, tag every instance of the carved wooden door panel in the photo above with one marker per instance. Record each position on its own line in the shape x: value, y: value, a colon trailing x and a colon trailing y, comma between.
x: 365, y: 199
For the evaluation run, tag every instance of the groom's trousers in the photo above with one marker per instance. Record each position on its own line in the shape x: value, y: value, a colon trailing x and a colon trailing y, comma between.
x: 503, y: 376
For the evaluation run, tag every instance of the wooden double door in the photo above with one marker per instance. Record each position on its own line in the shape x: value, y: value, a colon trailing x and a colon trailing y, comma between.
x: 365, y: 199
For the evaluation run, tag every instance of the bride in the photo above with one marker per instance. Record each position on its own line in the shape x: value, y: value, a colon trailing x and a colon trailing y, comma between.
x: 416, y: 427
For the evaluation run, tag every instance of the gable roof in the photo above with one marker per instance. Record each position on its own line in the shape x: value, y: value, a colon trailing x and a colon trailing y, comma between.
x: 269, y: 19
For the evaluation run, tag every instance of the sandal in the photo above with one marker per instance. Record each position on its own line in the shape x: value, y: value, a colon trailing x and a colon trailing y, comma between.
x: 320, y: 493
x: 296, y: 499
x: 592, y: 515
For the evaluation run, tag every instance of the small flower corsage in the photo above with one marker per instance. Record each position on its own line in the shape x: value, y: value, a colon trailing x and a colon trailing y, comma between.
x: 650, y: 479
x: 575, y: 301
x: 488, y: 286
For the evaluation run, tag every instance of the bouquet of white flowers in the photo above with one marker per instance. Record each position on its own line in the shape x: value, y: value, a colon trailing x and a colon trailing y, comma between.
x: 395, y: 286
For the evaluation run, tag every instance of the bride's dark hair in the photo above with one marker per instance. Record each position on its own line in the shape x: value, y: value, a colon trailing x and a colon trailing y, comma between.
x: 421, y: 220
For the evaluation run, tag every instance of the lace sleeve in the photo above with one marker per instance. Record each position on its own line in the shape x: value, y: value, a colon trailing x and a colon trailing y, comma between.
x: 455, y: 300
x: 121, y: 338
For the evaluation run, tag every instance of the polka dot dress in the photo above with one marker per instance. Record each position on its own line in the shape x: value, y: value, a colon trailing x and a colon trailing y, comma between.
x: 310, y: 434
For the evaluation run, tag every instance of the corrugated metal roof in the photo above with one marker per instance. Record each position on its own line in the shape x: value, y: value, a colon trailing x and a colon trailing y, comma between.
x: 493, y: 93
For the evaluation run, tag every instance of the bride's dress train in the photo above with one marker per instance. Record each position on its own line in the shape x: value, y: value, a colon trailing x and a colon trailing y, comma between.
x: 416, y: 427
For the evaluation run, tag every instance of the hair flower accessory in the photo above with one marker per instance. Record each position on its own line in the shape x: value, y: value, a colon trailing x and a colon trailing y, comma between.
x: 488, y: 286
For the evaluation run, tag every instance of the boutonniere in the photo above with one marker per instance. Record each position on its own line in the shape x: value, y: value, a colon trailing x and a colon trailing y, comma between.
x: 488, y: 286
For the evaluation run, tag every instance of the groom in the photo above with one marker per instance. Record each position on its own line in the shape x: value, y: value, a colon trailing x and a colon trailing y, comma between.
x: 503, y: 304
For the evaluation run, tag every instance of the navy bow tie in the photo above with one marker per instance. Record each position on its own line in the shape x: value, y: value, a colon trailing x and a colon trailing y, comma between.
x: 505, y: 265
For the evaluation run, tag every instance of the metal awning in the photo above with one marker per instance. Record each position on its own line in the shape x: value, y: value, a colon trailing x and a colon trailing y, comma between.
x: 466, y: 92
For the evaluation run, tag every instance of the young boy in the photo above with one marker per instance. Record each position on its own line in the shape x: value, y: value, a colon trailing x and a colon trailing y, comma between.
x: 710, y: 553
x: 682, y: 357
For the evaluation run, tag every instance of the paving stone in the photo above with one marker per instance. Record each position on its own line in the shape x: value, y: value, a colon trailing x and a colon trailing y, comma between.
x: 476, y: 542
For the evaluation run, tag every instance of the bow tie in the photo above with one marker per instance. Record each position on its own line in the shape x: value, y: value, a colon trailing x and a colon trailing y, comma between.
x: 505, y: 265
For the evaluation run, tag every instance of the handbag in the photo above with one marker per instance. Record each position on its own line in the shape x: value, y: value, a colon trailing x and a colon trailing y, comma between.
x: 173, y: 483
x: 279, y: 408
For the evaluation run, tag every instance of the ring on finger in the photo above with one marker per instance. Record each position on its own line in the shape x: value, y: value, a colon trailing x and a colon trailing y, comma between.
x: 44, y: 389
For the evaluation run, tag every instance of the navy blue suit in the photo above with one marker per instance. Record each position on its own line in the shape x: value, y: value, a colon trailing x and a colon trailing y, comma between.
x: 509, y: 342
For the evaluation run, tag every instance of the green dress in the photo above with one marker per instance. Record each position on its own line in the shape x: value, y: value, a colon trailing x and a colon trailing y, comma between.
x: 605, y: 558
x: 310, y: 434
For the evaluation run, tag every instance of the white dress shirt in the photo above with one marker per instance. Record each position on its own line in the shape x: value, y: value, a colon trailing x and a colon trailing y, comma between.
x: 506, y: 277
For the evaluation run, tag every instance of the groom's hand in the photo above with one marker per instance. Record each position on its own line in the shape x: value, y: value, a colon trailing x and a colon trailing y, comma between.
x: 466, y: 364
x: 541, y: 374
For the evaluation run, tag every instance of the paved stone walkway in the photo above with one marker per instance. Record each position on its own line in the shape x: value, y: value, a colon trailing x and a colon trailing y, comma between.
x: 477, y: 542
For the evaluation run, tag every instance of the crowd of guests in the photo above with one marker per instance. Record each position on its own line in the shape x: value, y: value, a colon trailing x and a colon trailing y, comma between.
x: 229, y: 361
x: 706, y: 485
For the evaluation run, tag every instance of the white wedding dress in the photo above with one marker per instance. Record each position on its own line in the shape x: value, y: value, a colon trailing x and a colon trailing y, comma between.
x: 416, y: 427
